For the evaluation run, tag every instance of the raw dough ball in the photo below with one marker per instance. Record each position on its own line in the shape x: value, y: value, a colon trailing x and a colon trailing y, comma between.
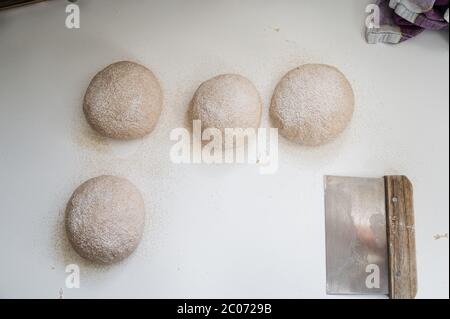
x: 312, y: 104
x: 123, y: 101
x: 105, y: 219
x: 227, y: 101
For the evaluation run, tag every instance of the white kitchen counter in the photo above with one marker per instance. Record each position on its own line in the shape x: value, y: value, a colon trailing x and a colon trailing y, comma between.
x: 212, y: 231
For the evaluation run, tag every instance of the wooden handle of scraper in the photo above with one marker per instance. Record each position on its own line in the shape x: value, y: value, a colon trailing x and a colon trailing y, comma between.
x: 401, y: 238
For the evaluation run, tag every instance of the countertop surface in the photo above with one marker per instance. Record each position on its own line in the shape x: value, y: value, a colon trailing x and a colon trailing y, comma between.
x: 212, y: 231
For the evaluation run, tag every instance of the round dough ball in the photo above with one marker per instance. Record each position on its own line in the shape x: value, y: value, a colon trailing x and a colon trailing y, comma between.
x: 312, y: 104
x: 105, y: 219
x: 227, y: 101
x: 123, y: 101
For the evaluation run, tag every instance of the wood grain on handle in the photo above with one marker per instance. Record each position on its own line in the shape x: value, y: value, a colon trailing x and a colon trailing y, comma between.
x: 401, y: 238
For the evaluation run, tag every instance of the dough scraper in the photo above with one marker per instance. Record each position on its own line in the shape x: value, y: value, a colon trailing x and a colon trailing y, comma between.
x: 370, y: 241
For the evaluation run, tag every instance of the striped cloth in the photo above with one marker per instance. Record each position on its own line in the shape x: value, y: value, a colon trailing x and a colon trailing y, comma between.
x: 400, y: 20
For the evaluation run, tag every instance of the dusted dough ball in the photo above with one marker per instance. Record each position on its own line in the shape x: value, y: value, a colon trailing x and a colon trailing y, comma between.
x: 105, y: 219
x: 123, y: 101
x: 312, y: 104
x: 227, y: 101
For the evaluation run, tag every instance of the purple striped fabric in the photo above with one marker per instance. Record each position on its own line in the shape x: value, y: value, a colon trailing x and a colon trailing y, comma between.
x: 401, y: 20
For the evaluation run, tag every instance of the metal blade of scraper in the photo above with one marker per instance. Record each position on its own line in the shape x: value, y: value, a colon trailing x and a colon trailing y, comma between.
x: 356, y: 237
